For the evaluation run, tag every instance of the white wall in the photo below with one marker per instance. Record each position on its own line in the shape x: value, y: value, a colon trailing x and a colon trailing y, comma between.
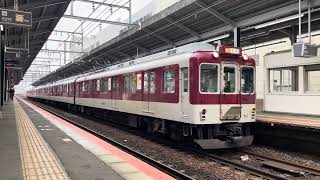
x: 300, y: 101
x: 293, y: 103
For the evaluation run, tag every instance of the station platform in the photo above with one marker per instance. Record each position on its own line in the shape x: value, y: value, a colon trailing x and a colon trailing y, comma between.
x: 36, y: 144
x: 294, y: 120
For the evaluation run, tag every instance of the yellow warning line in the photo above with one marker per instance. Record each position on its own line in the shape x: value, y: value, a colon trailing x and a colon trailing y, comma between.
x: 38, y: 160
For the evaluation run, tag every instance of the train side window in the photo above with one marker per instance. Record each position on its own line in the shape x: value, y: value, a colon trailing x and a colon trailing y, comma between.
x: 109, y: 84
x: 229, y: 79
x: 247, y: 80
x: 146, y: 82
x: 126, y: 83
x: 152, y: 82
x: 115, y: 84
x: 98, y: 85
x: 169, y: 83
x: 139, y: 81
x: 133, y: 83
x: 85, y: 86
x: 185, y: 79
x: 103, y: 85
x: 208, y: 78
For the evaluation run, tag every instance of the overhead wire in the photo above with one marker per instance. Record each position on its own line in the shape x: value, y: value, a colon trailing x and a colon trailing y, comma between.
x: 87, y: 27
x: 85, y: 19
x: 103, y: 11
x: 163, y: 27
x: 99, y: 24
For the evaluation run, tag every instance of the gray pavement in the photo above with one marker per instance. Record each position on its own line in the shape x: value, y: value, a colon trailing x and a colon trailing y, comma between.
x: 79, y: 163
x: 10, y: 162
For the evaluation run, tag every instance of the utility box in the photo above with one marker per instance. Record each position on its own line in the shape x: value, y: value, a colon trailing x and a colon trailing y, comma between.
x: 304, y: 50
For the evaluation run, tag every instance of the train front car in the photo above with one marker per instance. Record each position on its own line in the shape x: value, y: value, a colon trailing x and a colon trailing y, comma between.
x: 222, y: 97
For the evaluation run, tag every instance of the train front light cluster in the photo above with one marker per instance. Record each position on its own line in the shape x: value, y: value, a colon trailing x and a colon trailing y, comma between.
x: 245, y: 57
x: 253, y: 113
x: 215, y: 54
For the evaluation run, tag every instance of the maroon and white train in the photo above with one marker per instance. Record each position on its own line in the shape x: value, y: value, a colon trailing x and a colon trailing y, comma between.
x: 190, y: 92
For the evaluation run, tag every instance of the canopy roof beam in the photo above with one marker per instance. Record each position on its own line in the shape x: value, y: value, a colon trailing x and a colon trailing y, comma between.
x: 101, y: 21
x: 217, y: 14
x: 183, y: 27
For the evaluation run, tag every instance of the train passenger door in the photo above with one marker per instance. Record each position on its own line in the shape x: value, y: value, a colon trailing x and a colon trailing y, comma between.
x: 146, y: 88
x: 184, y: 91
x: 230, y: 107
x: 149, y: 79
x: 115, y: 91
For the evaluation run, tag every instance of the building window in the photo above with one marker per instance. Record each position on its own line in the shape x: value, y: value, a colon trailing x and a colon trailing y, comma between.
x: 169, y: 83
x: 247, y: 80
x: 283, y: 79
x: 208, y: 78
x: 312, y: 78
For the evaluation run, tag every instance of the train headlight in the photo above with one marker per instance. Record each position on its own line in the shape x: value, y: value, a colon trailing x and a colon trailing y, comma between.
x: 253, y: 110
x: 215, y: 54
x: 245, y: 57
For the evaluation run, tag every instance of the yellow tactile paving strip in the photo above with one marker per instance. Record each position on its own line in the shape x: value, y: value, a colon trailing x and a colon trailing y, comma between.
x: 38, y: 160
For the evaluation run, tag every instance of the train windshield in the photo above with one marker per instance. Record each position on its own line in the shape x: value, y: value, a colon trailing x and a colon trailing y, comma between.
x: 229, y: 79
x: 247, y: 80
x: 209, y: 78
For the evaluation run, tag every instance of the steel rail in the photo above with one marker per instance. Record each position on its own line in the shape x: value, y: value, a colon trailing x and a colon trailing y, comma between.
x: 311, y: 170
x: 173, y: 172
x: 248, y: 169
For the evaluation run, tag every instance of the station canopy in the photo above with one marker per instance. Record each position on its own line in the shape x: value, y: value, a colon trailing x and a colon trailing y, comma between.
x: 24, y: 43
x: 190, y: 21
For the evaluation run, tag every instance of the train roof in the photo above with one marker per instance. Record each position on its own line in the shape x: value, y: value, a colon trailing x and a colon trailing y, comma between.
x: 126, y: 66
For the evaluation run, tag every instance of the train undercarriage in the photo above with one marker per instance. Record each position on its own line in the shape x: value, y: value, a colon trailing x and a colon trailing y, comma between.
x: 207, y: 136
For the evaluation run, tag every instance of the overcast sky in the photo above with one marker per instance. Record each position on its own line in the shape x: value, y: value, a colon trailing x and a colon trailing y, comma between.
x: 81, y: 9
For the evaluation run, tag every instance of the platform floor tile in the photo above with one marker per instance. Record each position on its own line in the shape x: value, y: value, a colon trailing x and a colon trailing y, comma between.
x: 136, y: 176
x: 38, y: 160
x: 123, y: 168
x: 110, y: 158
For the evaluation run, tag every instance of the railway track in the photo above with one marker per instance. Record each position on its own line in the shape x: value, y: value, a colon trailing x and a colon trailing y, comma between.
x: 281, y: 164
x: 174, y: 173
x: 249, y: 169
x: 236, y: 165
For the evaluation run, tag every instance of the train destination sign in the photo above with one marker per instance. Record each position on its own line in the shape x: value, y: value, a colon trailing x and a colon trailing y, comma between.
x: 15, y: 18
